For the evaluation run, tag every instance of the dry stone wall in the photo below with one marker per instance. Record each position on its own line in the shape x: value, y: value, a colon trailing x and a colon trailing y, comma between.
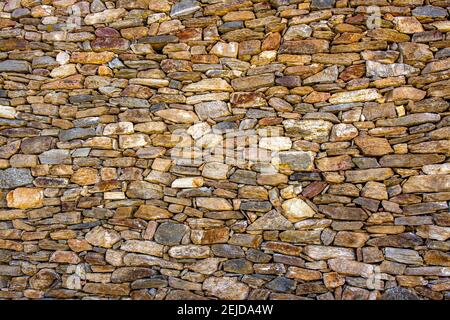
x: 238, y: 149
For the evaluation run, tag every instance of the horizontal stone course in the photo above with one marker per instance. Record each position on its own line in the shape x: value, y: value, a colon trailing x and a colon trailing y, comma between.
x: 237, y: 149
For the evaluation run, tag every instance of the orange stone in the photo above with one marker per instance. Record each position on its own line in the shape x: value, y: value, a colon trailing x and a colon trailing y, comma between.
x: 25, y: 198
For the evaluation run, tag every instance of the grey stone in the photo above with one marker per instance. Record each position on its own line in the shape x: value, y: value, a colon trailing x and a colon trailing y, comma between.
x: 15, y: 177
x: 76, y: 133
x: 329, y: 75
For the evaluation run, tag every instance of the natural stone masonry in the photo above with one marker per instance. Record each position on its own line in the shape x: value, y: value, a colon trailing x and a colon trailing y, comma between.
x: 235, y: 149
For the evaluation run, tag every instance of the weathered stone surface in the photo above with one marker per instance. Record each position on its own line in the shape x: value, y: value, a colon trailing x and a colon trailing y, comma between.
x: 343, y: 132
x: 226, y: 288
x: 272, y: 220
x: 296, y: 160
x: 15, y: 66
x: 85, y: 176
x: 183, y: 8
x: 210, y: 236
x: 91, y: 57
x: 379, y: 174
x: 409, y: 120
x: 351, y: 268
x: 355, y: 96
x: 260, y: 150
x: 211, y: 110
x: 298, y: 32
x: 150, y: 212
x: 189, y: 251
x: 208, y: 85
x: 335, y: 163
x: 376, y: 69
x: 101, y: 237
x: 304, y: 46
x: 324, y: 253
x: 372, y: 146
x: 106, y: 16
x: 275, y: 143
x: 406, y: 256
x: 195, y: 182
x: 399, y: 293
x: 126, y: 274
x: 296, y: 209
x: 25, y: 198
x: 253, y: 82
x: 429, y: 183
x: 313, y: 130
x: 177, y: 116
x: 43, y: 279
x: 410, y: 160
x: 343, y: 213
x: 107, y: 289
x: 146, y: 247
x: 213, y: 204
x: 328, y: 75
x: 15, y: 177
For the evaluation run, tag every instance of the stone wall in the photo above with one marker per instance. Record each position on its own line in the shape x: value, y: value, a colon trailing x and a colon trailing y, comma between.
x: 238, y: 149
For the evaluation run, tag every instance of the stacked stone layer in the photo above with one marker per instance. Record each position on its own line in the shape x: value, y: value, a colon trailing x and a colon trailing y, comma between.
x: 347, y: 99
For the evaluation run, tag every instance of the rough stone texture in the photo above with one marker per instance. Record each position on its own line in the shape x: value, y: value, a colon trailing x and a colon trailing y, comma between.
x: 181, y: 149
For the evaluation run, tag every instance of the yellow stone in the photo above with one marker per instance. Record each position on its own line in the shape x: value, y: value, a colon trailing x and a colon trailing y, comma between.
x: 25, y: 198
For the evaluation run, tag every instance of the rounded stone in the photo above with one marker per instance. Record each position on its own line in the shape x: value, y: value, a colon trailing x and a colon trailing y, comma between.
x: 169, y: 233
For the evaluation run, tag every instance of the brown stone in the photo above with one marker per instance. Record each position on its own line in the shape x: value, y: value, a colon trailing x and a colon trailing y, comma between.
x: 85, y: 176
